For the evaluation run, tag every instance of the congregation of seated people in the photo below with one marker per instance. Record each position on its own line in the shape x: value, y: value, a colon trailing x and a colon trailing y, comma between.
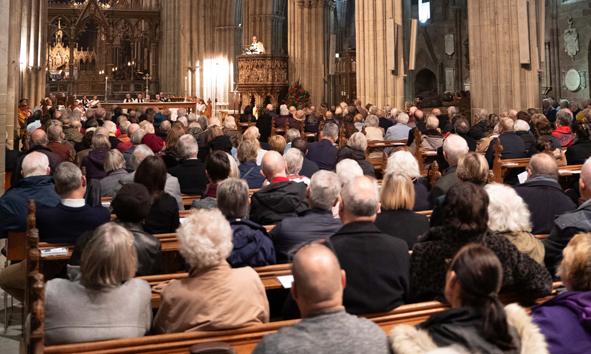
x: 360, y: 238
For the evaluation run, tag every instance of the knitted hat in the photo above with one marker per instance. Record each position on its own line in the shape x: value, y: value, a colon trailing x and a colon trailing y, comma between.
x: 132, y: 202
x: 158, y: 119
x: 153, y: 141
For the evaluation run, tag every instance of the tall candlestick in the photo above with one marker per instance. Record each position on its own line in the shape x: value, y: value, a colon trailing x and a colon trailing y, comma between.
x: 186, y: 89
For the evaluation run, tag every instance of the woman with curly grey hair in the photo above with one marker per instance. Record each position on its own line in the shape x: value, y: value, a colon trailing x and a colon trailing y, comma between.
x: 214, y: 296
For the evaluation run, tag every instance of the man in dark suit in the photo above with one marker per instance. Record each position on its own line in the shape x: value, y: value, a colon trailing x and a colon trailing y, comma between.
x: 324, y: 152
x: 376, y: 264
x: 71, y: 218
x: 542, y: 193
x: 39, y: 143
x: 190, y: 171
x: 513, y: 148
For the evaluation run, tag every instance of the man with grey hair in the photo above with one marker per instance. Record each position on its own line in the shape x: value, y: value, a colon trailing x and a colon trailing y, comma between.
x: 172, y: 185
x: 55, y: 135
x: 385, y: 123
x: 418, y: 123
x: 290, y: 136
x: 71, y: 129
x: 398, y: 131
x: 164, y: 129
x: 513, y: 148
x: 38, y: 185
x: 454, y: 148
x: 281, y: 198
x: 326, y: 327
x: 480, y: 125
x: 38, y: 143
x: 377, y: 265
x: 252, y: 245
x: 562, y: 131
x: 570, y: 224
x: 71, y: 218
x: 315, y: 223
x: 324, y: 152
x: 190, y: 171
x: 543, y: 194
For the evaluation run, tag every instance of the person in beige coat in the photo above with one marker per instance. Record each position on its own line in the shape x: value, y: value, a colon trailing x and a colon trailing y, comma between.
x: 509, y: 216
x: 476, y: 321
x: 214, y: 296
x: 373, y: 132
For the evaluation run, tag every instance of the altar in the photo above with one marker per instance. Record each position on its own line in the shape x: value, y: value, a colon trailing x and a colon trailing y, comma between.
x: 261, y: 76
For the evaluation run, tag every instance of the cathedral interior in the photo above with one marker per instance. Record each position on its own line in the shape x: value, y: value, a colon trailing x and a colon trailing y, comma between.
x: 502, y: 54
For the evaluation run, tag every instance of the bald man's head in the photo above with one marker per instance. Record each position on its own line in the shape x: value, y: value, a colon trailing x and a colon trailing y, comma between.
x: 512, y: 114
x: 317, y: 277
x: 585, y: 180
x: 436, y: 112
x: 132, y: 128
x: 39, y: 138
x: 543, y: 165
x: 273, y: 165
x: 419, y: 115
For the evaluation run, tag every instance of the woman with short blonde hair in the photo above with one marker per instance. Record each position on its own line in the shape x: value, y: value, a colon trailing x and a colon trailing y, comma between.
x: 564, y: 318
x: 277, y: 143
x: 396, y: 217
x: 404, y: 161
x: 121, y: 305
x: 473, y: 168
x: 214, y: 296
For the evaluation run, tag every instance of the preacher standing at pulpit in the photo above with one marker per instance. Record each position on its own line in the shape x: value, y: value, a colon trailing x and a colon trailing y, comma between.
x: 257, y: 46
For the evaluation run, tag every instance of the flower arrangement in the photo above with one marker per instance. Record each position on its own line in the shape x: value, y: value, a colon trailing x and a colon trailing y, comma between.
x: 297, y: 97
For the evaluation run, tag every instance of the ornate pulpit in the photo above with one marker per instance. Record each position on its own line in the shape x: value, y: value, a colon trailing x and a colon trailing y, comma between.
x: 260, y: 76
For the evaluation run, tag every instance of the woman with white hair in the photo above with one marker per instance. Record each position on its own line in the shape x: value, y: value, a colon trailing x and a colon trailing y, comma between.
x: 373, y: 131
x: 214, y: 296
x: 521, y: 128
x: 404, y: 161
x: 294, y: 160
x: 432, y: 137
x: 120, y: 305
x: 115, y: 168
x: 509, y: 216
x: 400, y: 130
x: 283, y: 116
x: 355, y: 150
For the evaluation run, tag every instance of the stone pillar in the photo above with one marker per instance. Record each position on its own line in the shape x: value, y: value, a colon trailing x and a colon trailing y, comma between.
x: 308, y: 35
x: 376, y: 83
x: 9, y: 77
x: 498, y: 80
x: 33, y: 49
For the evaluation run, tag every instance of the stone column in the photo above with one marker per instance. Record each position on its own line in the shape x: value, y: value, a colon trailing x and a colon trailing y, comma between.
x: 308, y: 35
x: 9, y: 77
x: 498, y: 80
x: 33, y: 37
x: 376, y: 83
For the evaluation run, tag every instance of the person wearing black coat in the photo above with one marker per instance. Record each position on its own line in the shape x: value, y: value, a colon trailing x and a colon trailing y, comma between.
x: 347, y: 152
x: 190, y: 171
x: 10, y: 161
x: 264, y: 125
x: 309, y: 168
x: 477, y: 130
x: 131, y: 205
x: 376, y: 264
x: 281, y: 198
x: 580, y: 150
x: 323, y: 153
x: 543, y: 195
x: 396, y: 218
x: 513, y: 148
x: 529, y: 141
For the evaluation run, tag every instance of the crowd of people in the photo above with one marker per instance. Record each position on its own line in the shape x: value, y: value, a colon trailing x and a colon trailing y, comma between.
x: 346, y: 234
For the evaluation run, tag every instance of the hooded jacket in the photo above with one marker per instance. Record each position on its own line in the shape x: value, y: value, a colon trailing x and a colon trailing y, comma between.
x: 94, y: 163
x: 460, y: 327
x: 564, y: 135
x: 565, y: 320
x: 277, y: 201
x: 252, y: 245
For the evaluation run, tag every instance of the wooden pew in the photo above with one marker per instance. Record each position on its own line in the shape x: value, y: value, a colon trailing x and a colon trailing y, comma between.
x: 422, y: 154
x: 372, y: 146
x: 276, y: 131
x: 244, y: 340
